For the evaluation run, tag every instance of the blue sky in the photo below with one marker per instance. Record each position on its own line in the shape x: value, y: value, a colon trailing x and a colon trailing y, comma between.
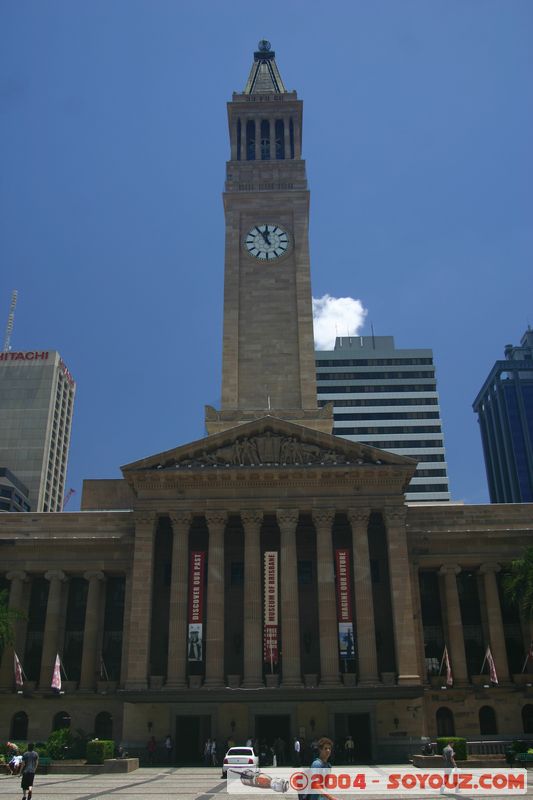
x: 418, y: 121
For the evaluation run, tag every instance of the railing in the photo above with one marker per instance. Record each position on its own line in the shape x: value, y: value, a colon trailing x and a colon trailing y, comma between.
x: 485, y: 748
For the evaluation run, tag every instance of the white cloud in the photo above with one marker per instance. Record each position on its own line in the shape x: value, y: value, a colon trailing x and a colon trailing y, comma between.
x: 336, y: 316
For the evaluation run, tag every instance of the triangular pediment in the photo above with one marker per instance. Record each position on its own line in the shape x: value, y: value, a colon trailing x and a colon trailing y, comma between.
x: 268, y: 442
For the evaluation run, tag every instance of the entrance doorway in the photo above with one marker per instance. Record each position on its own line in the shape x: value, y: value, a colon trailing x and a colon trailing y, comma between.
x: 357, y: 726
x: 270, y: 727
x: 191, y: 734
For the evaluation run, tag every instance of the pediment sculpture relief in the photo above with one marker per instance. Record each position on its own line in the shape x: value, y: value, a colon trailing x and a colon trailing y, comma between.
x: 267, y: 449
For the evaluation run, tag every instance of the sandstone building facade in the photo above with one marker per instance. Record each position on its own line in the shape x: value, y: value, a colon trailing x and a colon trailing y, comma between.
x: 269, y: 579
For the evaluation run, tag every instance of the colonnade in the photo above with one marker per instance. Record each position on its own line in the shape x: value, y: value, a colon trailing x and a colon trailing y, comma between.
x: 136, y: 668
x: 53, y: 626
x: 239, y: 145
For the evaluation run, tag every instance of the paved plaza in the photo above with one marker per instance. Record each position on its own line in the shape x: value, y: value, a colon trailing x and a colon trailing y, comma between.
x: 184, y: 783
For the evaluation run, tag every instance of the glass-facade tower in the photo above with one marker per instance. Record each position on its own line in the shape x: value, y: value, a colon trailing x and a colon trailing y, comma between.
x: 505, y: 412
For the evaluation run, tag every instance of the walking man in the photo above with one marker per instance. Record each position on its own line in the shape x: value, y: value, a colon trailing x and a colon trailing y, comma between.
x: 30, y: 760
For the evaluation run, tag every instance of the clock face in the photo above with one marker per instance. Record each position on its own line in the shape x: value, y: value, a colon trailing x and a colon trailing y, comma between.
x: 266, y: 242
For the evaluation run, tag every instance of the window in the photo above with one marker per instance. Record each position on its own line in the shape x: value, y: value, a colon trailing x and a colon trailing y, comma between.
x: 265, y: 140
x: 280, y: 139
x: 250, y: 140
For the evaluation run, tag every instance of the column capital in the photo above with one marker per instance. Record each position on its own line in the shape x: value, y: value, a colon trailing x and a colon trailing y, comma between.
x: 17, y: 574
x: 55, y: 574
x: 94, y: 574
x: 394, y: 516
x: 180, y: 519
x: 323, y: 517
x: 358, y: 516
x: 216, y: 519
x: 287, y: 517
x: 450, y: 569
x: 252, y: 518
x: 489, y: 567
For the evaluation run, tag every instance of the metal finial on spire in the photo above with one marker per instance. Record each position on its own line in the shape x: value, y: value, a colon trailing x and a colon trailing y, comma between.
x: 264, y: 46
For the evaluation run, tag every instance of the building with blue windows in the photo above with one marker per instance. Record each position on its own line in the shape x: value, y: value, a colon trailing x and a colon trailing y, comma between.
x: 505, y: 410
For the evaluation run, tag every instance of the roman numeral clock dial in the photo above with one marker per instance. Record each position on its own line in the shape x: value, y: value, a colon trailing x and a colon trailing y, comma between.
x: 266, y: 242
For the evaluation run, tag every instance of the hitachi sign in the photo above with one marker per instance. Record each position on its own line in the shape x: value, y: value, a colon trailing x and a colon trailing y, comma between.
x: 31, y: 355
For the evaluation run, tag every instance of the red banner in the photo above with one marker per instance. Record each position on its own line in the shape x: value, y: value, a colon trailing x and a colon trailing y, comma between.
x: 270, y: 637
x: 344, y: 603
x: 196, y: 606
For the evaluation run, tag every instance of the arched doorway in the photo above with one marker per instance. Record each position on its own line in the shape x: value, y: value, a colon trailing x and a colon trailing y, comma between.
x: 527, y: 718
x: 445, y: 722
x: 19, y: 726
x: 103, y: 725
x: 487, y: 720
x: 61, y: 720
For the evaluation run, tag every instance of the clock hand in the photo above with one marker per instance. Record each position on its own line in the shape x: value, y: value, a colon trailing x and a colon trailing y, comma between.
x: 265, y: 235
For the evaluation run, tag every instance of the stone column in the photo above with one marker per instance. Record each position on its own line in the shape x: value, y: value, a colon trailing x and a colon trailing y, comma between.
x: 55, y: 608
x: 233, y: 140
x: 272, y: 132
x: 125, y: 631
x: 456, y: 642
x: 214, y: 640
x: 290, y: 609
x: 327, y: 603
x: 495, y: 622
x: 89, y: 661
x: 253, y: 623
x: 419, y: 623
x: 140, y: 617
x: 402, y: 601
x: 17, y: 580
x: 367, y: 657
x: 179, y: 584
x: 287, y: 137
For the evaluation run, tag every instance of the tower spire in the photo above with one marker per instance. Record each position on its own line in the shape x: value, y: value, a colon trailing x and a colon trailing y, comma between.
x: 264, y: 77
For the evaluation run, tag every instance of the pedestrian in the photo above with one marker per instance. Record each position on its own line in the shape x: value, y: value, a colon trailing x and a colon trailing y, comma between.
x: 207, y: 752
x: 325, y: 747
x: 214, y: 753
x: 30, y: 761
x: 450, y: 766
x: 169, y: 746
x: 297, y: 752
x: 151, y: 747
x: 349, y: 748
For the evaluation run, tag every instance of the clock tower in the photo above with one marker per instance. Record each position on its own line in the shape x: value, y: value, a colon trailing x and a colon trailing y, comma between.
x: 268, y: 350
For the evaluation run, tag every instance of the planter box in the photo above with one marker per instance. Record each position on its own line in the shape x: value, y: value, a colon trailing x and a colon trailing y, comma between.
x: 234, y: 681
x: 271, y: 680
x: 156, y: 681
x: 69, y: 686
x: 311, y: 681
x: 195, y: 681
x: 349, y: 678
x: 388, y: 678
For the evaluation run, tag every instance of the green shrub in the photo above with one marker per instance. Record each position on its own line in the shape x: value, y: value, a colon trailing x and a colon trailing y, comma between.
x: 519, y: 746
x: 458, y: 744
x: 100, y: 749
x: 59, y: 743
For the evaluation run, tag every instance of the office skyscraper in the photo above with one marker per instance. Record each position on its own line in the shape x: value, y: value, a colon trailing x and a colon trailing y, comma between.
x: 387, y: 398
x: 505, y: 411
x: 36, y: 401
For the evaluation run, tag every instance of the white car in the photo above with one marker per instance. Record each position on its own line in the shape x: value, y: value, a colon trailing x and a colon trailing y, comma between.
x: 238, y: 759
